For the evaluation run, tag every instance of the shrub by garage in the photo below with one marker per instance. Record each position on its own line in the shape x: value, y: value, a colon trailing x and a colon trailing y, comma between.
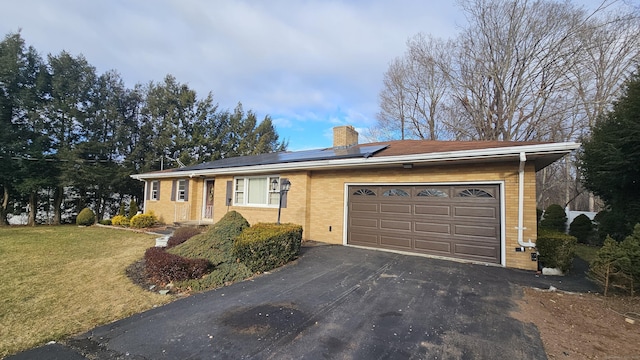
x: 163, y: 267
x: 263, y: 247
x: 556, y: 249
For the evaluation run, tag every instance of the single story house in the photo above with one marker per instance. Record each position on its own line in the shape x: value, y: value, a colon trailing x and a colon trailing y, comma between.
x: 469, y: 200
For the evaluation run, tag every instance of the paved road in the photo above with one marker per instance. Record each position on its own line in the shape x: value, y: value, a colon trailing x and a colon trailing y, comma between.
x: 335, y: 302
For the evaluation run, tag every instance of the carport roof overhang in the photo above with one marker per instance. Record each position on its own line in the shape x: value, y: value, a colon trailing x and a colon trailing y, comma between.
x: 541, y: 155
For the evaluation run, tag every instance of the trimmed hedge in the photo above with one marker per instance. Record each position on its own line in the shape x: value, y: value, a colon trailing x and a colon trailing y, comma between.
x: 216, y: 245
x: 556, y: 249
x: 86, y: 217
x: 163, y: 267
x: 582, y: 228
x: 263, y: 247
x: 181, y: 235
x: 554, y: 218
x: 105, y: 222
x: 120, y: 220
x: 142, y: 221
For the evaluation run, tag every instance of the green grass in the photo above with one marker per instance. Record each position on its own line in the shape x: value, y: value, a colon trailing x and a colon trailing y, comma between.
x: 60, y: 281
x: 586, y: 252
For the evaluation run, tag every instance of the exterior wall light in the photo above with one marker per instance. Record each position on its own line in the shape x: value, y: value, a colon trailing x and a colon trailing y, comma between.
x: 285, y: 185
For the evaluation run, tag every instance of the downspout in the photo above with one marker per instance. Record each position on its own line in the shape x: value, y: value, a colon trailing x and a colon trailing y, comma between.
x: 523, y: 159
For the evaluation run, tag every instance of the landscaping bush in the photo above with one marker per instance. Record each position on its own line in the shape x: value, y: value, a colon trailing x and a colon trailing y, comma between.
x: 612, y: 223
x: 181, y: 235
x: 133, y: 209
x: 163, y: 267
x: 556, y: 249
x: 142, y: 221
x: 554, y: 218
x: 122, y: 211
x: 120, y: 220
x: 582, y: 228
x: 618, y: 264
x: 263, y: 247
x: 86, y: 217
x: 215, y: 245
x: 105, y: 222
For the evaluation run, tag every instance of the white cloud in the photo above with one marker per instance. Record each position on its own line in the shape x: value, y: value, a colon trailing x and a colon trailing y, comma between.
x: 303, y: 62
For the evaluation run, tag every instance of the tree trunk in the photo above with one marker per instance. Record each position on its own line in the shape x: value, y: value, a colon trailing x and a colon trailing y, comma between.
x: 58, y: 195
x: 4, y: 206
x: 33, y: 208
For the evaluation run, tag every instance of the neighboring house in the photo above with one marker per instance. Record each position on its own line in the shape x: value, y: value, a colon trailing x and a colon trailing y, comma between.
x: 469, y: 200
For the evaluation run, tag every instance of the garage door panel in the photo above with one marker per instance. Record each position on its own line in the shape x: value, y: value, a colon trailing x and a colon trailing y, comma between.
x: 476, y: 250
x: 399, y: 242
x: 364, y: 239
x: 367, y: 223
x: 395, y: 209
x: 395, y: 225
x: 476, y: 231
x: 475, y: 212
x: 424, y: 228
x: 452, y: 221
x: 437, y: 210
x: 430, y: 246
x: 364, y: 207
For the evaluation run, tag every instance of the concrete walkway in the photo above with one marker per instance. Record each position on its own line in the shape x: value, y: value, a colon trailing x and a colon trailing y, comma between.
x: 335, y: 302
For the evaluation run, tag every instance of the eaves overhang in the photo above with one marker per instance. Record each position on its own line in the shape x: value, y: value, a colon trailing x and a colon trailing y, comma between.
x: 541, y: 155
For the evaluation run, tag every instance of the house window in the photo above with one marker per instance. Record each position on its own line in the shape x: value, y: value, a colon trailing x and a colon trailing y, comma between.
x: 182, y: 190
x: 364, y: 192
x: 256, y: 191
x: 432, y: 193
x: 477, y: 193
x: 395, y: 192
x: 155, y: 190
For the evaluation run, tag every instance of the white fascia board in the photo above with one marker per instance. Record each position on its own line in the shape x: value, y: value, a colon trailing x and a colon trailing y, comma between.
x: 491, y: 153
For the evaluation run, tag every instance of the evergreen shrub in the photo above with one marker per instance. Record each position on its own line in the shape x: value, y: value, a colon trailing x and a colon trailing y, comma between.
x: 133, y: 209
x: 142, y: 221
x: 556, y: 249
x: 617, y: 264
x: 263, y: 247
x: 120, y: 220
x: 86, y: 217
x: 582, y: 228
x: 554, y: 218
x: 215, y: 245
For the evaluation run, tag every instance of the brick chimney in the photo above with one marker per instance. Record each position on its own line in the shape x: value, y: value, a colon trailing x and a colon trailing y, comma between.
x: 344, y: 136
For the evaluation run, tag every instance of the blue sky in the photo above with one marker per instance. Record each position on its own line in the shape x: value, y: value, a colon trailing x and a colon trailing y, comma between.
x: 311, y: 65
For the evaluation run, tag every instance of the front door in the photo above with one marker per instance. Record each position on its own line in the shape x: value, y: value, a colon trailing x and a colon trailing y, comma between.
x: 208, y: 202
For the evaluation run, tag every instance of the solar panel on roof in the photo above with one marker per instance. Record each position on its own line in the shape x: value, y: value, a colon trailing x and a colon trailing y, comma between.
x: 288, y: 157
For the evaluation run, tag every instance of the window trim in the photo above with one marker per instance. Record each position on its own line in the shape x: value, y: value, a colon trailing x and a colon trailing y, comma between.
x: 154, y: 194
x: 181, y: 194
x: 245, y: 191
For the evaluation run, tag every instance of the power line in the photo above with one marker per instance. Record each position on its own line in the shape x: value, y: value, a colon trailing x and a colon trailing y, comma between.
x: 55, y: 160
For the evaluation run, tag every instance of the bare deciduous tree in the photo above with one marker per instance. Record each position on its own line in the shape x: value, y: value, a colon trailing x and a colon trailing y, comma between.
x: 519, y: 70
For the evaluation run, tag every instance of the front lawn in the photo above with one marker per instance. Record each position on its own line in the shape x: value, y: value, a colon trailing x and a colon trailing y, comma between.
x: 61, y: 281
x: 586, y: 252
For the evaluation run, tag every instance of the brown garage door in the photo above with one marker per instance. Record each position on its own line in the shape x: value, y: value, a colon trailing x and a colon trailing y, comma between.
x: 459, y: 221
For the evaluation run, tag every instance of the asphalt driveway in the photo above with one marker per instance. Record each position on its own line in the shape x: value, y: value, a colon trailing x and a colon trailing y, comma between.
x: 335, y: 302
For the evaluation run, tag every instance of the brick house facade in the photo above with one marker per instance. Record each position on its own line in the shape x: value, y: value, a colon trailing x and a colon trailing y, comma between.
x: 472, y: 201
